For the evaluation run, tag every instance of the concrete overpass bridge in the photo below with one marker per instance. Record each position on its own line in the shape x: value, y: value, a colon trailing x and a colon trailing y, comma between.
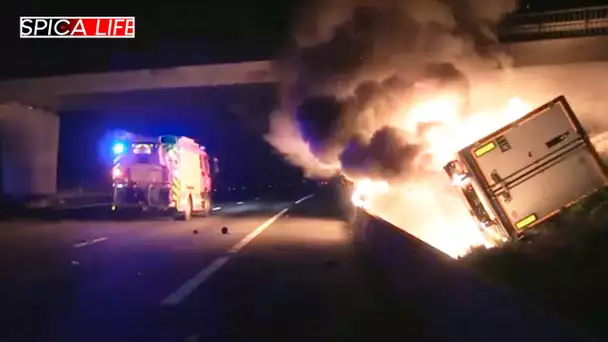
x: 553, y: 53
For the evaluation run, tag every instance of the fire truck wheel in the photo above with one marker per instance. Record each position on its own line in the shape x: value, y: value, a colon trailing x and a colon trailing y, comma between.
x: 186, y: 214
x: 188, y: 211
x: 206, y: 205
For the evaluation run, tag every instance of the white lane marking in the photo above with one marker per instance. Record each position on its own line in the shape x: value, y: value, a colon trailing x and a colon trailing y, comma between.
x: 303, y: 199
x: 85, y: 206
x: 189, y: 286
x: 247, y: 239
x: 239, y: 203
x: 90, y: 242
x: 216, y: 208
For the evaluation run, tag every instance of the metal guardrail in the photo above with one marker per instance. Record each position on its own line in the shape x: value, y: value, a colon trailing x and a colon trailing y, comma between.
x: 72, y: 198
x: 589, y: 21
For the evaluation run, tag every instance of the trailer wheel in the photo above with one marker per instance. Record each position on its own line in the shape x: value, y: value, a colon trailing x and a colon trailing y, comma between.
x: 188, y: 212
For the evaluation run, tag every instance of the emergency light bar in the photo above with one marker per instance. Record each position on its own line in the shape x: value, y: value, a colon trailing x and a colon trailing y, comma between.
x: 142, y: 148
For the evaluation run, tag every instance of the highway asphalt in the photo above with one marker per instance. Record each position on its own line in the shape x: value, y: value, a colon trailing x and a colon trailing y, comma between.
x: 285, y: 271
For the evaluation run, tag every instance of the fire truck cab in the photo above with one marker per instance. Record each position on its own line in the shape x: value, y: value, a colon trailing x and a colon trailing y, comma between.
x: 167, y: 173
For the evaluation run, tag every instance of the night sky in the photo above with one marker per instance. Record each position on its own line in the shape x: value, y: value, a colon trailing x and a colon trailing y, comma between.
x: 186, y: 32
x: 183, y: 33
x: 167, y: 35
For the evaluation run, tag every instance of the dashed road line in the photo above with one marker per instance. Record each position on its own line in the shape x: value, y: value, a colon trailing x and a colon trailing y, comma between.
x: 86, y: 206
x: 193, y: 283
x: 89, y: 242
x: 247, y: 239
x: 303, y: 199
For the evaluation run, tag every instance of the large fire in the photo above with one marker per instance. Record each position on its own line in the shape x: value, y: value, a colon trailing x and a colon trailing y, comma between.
x: 428, y: 207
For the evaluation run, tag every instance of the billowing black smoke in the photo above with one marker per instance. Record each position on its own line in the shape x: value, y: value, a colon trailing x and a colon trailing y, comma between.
x: 356, y: 130
x: 388, y: 155
x: 359, y: 62
x: 318, y: 119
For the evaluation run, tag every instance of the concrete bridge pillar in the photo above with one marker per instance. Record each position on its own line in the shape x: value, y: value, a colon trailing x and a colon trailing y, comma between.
x: 29, y: 147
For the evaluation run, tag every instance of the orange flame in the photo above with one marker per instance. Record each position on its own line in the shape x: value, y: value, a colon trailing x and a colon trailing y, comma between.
x: 428, y: 208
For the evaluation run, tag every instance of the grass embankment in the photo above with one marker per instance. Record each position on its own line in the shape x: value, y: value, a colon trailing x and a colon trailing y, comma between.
x: 563, y: 268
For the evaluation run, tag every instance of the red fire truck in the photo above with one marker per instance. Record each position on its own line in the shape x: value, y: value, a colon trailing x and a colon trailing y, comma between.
x: 167, y: 173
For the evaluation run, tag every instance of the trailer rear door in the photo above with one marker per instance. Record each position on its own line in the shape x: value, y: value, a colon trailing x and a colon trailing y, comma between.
x: 538, y: 165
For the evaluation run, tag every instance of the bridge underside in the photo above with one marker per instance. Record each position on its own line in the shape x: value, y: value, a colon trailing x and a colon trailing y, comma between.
x: 253, y: 101
x: 543, y: 70
x: 31, y: 143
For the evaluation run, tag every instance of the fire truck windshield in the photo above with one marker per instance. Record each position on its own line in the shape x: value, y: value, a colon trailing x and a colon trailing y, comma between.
x: 143, y: 159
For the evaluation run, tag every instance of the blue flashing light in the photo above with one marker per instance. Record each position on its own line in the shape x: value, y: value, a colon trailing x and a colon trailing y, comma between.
x: 119, y: 148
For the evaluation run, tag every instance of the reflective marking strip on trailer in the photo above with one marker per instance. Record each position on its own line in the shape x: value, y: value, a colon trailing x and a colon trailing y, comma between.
x: 485, y: 149
x: 526, y: 221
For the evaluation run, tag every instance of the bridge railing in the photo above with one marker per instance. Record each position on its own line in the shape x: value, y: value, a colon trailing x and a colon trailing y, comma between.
x: 587, y: 21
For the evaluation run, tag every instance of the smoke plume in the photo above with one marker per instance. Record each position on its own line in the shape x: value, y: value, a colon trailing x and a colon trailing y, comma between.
x: 357, y: 62
x: 388, y: 155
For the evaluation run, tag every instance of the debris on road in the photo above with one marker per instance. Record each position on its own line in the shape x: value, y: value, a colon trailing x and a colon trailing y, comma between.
x: 224, y: 230
x: 195, y: 231
x: 75, y: 263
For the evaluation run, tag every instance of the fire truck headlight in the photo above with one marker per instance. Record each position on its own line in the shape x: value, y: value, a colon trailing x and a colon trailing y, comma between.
x: 116, y: 172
